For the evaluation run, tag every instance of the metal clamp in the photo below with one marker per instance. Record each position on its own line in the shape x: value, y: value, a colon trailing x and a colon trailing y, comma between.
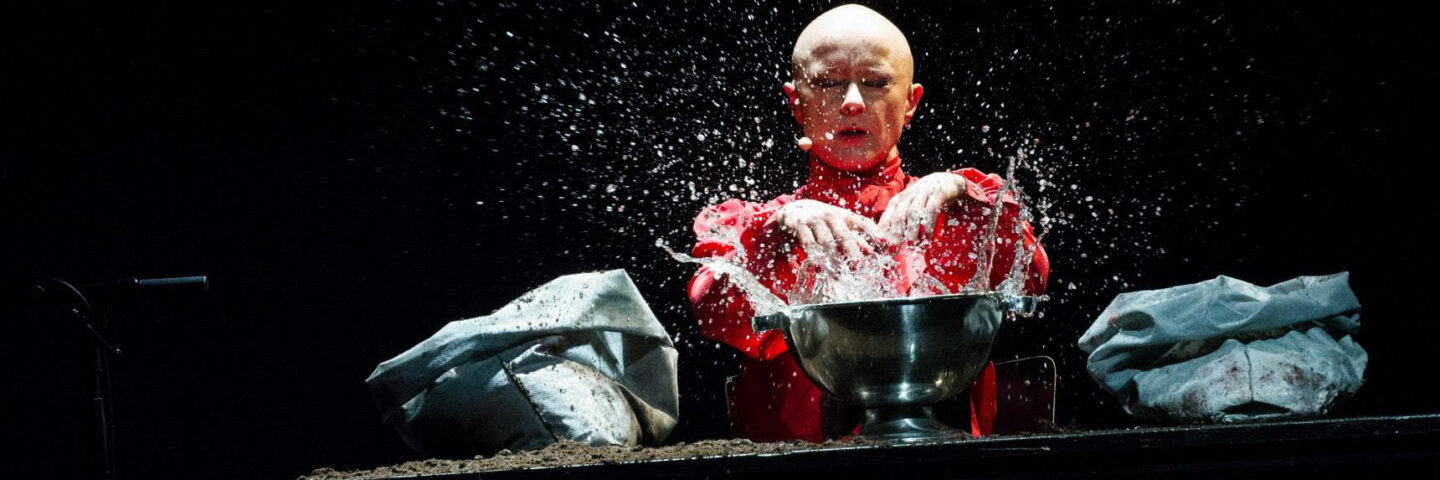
x: 774, y: 321
x: 1022, y: 306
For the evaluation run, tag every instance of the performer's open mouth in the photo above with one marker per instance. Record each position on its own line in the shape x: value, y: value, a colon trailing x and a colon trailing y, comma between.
x: 852, y: 133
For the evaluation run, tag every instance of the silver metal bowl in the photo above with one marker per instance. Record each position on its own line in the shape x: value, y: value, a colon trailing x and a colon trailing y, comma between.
x: 896, y: 358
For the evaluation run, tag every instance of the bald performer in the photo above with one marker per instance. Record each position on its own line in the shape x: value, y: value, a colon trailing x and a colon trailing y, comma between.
x: 853, y: 93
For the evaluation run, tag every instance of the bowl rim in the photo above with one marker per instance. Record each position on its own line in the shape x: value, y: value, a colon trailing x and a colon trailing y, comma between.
x: 884, y: 302
x: 1022, y: 304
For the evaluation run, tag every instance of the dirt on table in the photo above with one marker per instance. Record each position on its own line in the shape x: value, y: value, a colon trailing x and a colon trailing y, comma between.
x: 570, y: 453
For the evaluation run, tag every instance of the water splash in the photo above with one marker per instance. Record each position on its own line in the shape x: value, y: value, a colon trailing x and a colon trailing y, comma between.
x: 981, y: 280
x: 1014, y: 284
x: 829, y: 278
x: 824, y: 278
x: 762, y: 300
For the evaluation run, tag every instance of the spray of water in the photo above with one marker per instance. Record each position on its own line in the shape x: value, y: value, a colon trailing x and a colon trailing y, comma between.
x: 827, y: 278
x: 591, y: 157
x: 762, y: 300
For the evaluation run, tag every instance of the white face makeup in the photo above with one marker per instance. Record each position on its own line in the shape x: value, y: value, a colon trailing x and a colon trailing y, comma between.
x: 851, y: 92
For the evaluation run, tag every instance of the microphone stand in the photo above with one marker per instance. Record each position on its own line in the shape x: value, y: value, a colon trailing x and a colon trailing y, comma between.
x: 69, y: 302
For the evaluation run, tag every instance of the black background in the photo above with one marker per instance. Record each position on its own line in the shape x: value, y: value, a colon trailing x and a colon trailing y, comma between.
x: 353, y: 176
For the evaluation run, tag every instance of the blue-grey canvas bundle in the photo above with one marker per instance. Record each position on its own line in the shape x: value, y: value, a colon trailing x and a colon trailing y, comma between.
x: 580, y: 358
x: 1224, y: 350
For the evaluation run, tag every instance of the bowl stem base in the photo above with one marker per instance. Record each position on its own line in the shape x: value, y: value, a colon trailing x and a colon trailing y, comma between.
x: 906, y: 423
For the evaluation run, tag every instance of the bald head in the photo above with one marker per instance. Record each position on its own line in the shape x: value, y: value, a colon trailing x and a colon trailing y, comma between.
x: 853, y: 89
x: 855, y: 28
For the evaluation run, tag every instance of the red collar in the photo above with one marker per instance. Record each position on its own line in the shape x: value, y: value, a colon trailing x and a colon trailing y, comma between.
x: 866, y: 192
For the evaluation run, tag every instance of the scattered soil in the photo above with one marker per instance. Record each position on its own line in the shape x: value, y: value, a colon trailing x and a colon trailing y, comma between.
x: 566, y: 453
x: 571, y: 453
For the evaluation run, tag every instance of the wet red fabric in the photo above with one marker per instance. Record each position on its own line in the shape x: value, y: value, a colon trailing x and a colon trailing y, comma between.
x: 982, y: 402
x: 772, y: 399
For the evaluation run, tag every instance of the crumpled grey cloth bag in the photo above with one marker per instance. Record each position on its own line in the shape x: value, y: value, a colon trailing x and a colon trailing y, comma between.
x: 1224, y: 350
x: 580, y: 358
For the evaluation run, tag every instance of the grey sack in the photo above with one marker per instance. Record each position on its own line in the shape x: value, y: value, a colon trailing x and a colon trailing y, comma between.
x: 580, y: 358
x: 1224, y: 350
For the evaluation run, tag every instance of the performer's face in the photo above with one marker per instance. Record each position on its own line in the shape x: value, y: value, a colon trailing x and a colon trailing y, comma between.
x: 852, y: 96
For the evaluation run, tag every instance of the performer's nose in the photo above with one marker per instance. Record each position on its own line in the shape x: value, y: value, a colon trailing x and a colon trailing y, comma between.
x: 854, y: 103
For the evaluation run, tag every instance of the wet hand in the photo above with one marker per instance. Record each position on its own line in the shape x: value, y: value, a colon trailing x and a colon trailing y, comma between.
x: 915, y: 209
x: 820, y: 226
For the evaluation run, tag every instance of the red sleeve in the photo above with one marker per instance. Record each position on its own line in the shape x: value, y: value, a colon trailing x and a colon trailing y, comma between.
x: 722, y: 310
x: 983, y: 188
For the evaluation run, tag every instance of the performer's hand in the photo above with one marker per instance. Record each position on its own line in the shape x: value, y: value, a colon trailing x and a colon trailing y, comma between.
x: 915, y: 208
x: 834, y: 229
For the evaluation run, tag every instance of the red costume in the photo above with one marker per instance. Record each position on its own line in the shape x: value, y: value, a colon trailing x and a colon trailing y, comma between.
x: 772, y: 399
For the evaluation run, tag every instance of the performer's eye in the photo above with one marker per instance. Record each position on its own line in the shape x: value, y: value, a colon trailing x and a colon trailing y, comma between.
x: 825, y: 82
x: 881, y: 82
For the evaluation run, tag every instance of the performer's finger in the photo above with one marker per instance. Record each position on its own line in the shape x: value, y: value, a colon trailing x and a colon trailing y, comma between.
x: 886, y: 221
x: 915, y: 224
x: 806, y: 237
x: 851, y: 245
x: 823, y: 237
x: 898, y: 216
x: 869, y: 229
x: 932, y: 205
x: 850, y: 240
x: 951, y: 189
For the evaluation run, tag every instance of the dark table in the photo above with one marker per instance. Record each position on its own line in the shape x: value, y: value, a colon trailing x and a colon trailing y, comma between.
x: 1370, y: 447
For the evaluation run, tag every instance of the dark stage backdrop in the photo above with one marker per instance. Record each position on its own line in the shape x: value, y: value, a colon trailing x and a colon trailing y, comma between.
x: 351, y: 176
